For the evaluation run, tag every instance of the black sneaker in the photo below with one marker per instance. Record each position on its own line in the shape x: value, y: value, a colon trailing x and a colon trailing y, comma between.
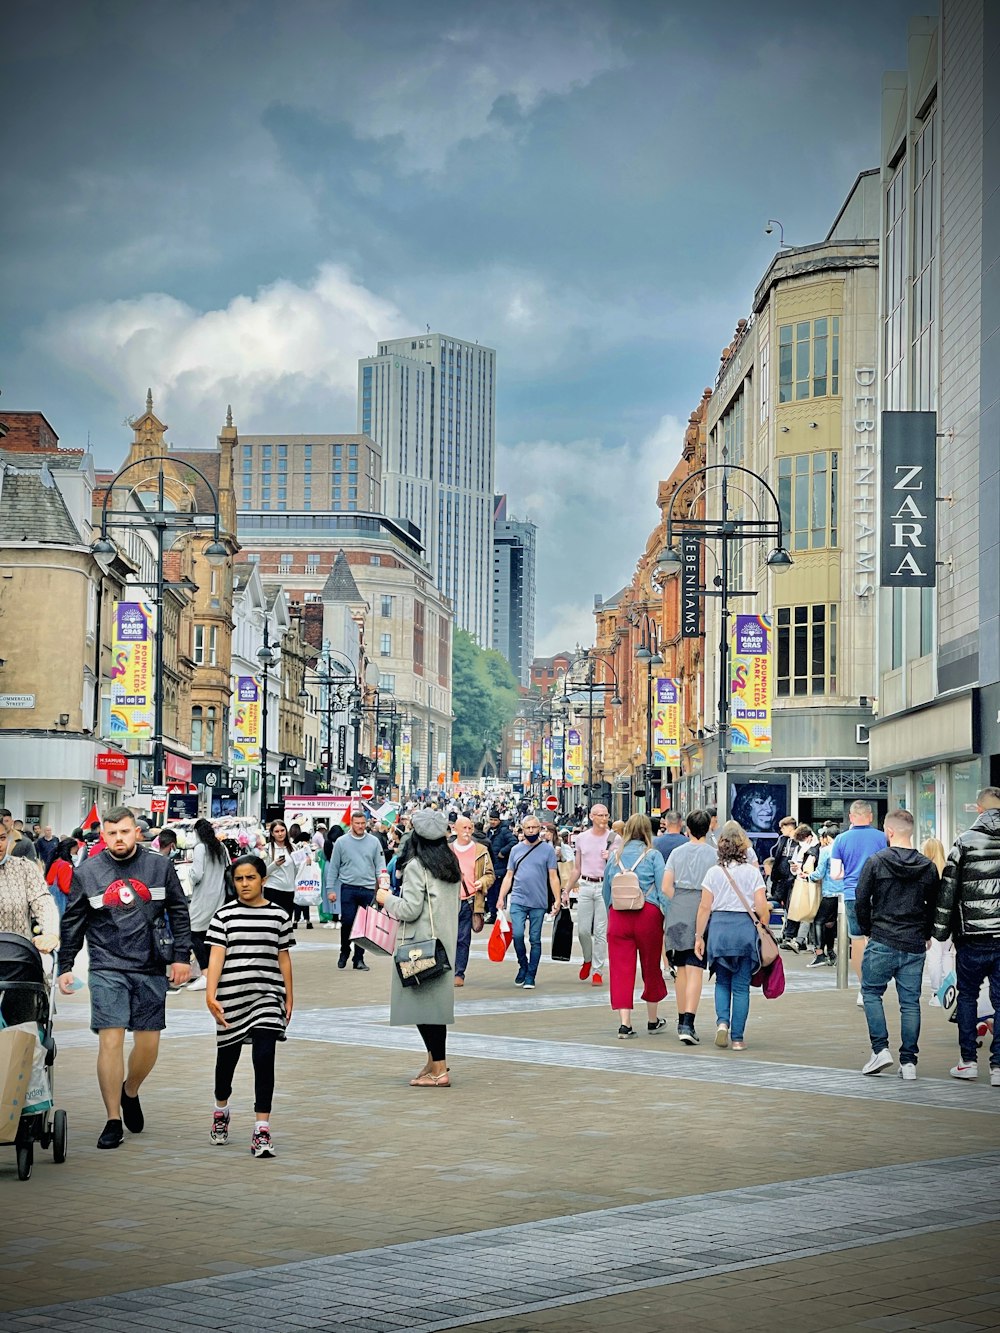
x: 625, y: 1031
x: 112, y: 1135
x: 135, y: 1121
x: 361, y: 966
x: 831, y: 960
x: 656, y: 1026
x: 818, y: 961
x: 686, y: 1033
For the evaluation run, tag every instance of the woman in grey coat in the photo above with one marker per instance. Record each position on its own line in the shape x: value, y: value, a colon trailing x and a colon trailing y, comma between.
x: 427, y: 908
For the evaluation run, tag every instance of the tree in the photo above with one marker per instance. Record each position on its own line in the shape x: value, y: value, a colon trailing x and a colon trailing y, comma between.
x: 484, y: 698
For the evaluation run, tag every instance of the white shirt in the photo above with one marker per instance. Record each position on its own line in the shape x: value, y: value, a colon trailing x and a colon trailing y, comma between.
x: 724, y: 897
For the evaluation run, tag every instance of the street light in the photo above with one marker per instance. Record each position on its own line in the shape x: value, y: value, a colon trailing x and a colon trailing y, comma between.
x: 728, y: 531
x: 592, y: 688
x: 649, y: 652
x: 162, y: 519
x: 268, y: 657
x: 335, y: 686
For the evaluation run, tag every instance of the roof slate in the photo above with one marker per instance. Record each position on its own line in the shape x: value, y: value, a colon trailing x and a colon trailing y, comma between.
x: 340, y: 585
x: 33, y: 510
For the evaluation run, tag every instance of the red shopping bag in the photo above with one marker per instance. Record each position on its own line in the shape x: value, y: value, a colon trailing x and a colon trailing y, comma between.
x: 501, y: 938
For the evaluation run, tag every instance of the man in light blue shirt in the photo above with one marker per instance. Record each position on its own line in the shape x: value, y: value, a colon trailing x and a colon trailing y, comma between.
x: 532, y: 874
x: 850, y: 851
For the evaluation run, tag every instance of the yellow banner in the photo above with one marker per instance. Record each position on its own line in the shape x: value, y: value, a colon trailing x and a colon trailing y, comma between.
x: 246, y: 721
x: 405, y: 757
x: 574, y: 757
x: 666, y: 722
x: 750, y: 723
x: 132, y: 709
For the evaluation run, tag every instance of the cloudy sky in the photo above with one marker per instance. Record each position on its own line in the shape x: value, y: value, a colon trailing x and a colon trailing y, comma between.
x: 233, y: 201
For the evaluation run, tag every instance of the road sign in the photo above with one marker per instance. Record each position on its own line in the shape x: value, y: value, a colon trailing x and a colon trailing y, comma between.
x: 552, y: 802
x: 158, y: 805
x: 367, y: 792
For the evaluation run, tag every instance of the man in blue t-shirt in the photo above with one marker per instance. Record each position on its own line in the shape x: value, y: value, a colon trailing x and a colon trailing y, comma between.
x: 531, y: 875
x: 672, y: 836
x: 848, y: 854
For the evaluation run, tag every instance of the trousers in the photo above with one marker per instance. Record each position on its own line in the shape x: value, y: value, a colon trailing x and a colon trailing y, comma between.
x: 635, y: 937
x: 592, y: 924
x: 435, y: 1038
x: 262, y: 1044
x: 882, y: 964
x: 464, y: 936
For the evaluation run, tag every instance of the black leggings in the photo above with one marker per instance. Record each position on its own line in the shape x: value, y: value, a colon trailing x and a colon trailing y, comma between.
x: 300, y: 913
x: 826, y: 924
x: 435, y: 1038
x: 228, y: 1057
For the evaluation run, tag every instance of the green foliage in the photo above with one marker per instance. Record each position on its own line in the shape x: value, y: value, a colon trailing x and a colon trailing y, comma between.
x: 484, y: 698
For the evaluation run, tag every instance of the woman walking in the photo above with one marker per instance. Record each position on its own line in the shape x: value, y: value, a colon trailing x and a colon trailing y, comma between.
x: 208, y: 892
x: 427, y: 908
x: 59, y: 876
x: 940, y: 953
x: 687, y: 867
x: 733, y: 950
x: 637, y: 936
x: 280, y: 866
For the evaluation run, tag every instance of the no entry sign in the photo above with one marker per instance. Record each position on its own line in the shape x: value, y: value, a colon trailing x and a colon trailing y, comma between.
x: 552, y: 802
x: 367, y: 792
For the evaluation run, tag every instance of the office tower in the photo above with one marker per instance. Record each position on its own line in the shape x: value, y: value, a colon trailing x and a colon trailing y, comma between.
x: 428, y: 402
x: 513, y: 589
x: 309, y: 472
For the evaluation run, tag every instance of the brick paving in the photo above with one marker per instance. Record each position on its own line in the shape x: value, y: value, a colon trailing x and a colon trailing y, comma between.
x: 537, y: 1129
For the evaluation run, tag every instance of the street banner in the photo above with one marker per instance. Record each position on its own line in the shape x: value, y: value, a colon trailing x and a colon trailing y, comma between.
x: 750, y: 723
x: 666, y: 722
x: 246, y: 721
x: 558, y: 751
x: 690, y: 582
x: 574, y: 757
x: 132, y: 709
x: 908, y: 500
x: 547, y: 756
x: 405, y: 754
x: 526, y: 756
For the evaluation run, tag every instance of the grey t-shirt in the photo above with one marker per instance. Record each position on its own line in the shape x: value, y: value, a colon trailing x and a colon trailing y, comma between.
x: 690, y: 863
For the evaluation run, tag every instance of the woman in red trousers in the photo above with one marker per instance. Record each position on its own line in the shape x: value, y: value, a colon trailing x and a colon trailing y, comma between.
x: 637, y: 935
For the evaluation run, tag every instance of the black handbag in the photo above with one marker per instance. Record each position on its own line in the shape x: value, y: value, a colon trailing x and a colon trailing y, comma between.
x: 163, y: 939
x: 562, y: 936
x: 418, y: 961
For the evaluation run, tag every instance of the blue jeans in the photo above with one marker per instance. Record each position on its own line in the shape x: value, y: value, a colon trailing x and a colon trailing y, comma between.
x: 532, y: 917
x: 881, y: 965
x: 974, y: 962
x: 464, y: 937
x: 732, y: 996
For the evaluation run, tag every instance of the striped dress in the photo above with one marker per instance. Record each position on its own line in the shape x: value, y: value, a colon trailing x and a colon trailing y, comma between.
x: 251, y: 989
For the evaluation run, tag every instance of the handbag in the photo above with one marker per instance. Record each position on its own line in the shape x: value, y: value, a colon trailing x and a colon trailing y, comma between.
x: 418, y: 961
x: 375, y: 930
x: 562, y: 936
x: 626, y: 891
x: 803, y: 904
x: 163, y: 939
x: 768, y: 944
x: 501, y: 938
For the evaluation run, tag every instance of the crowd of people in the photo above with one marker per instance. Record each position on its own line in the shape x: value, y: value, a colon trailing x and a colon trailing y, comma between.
x: 670, y: 902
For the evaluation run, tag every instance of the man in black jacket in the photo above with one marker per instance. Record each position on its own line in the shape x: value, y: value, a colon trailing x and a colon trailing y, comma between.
x: 501, y: 843
x: 118, y: 902
x: 782, y: 875
x: 969, y: 910
x: 895, y: 900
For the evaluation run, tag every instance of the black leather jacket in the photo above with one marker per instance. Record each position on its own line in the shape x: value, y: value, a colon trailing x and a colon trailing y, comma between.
x: 969, y: 903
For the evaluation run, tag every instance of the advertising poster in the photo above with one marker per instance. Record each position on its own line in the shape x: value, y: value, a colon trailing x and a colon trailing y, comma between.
x: 246, y: 721
x: 666, y: 722
x: 525, y: 764
x: 132, y: 709
x: 558, y: 752
x: 750, y: 722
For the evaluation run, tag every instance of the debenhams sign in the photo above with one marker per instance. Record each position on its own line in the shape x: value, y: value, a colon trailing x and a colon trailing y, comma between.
x: 908, y: 500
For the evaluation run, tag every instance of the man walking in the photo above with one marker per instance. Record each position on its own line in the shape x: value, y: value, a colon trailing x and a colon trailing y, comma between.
x: 849, y: 853
x: 477, y: 877
x: 501, y: 841
x: 896, y: 896
x: 782, y: 877
x: 119, y: 902
x: 355, y: 864
x: 591, y: 856
x: 672, y: 836
x: 968, y: 909
x: 532, y: 875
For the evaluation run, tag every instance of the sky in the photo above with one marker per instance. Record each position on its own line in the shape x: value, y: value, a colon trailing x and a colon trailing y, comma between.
x: 233, y: 202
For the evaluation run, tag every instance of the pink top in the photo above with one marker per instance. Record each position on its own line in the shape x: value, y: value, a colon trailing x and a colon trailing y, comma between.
x: 592, y: 854
x: 467, y: 860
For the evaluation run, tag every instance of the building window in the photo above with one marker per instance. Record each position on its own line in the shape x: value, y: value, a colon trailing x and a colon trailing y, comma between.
x: 197, y: 727
x: 734, y: 430
x: 253, y: 557
x: 925, y: 211
x: 386, y: 607
x: 807, y: 650
x: 198, y: 651
x: 287, y: 560
x: 808, y: 496
x: 385, y: 645
x: 376, y: 559
x: 213, y: 645
x: 210, y: 731
x: 809, y: 359
x: 387, y: 683
x: 312, y: 560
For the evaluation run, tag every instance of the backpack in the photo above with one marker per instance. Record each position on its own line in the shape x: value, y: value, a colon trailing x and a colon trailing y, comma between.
x: 626, y: 891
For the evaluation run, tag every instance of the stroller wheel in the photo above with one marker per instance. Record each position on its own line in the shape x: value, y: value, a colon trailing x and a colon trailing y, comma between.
x: 60, y: 1136
x: 25, y: 1159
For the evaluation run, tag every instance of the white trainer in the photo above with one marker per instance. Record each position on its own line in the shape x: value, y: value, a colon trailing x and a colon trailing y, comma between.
x: 995, y: 1076
x: 199, y: 983
x: 876, y: 1062
x: 861, y: 1000
x: 969, y: 1071
x: 908, y: 1073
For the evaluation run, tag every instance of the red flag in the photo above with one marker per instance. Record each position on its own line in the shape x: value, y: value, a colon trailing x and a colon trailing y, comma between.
x: 93, y: 818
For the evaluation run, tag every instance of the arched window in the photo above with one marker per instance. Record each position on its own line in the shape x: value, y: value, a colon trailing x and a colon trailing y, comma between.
x: 196, y: 728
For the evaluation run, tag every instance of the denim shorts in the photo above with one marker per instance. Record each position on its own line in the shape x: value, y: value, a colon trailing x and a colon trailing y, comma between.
x: 131, y: 1000
x: 853, y: 929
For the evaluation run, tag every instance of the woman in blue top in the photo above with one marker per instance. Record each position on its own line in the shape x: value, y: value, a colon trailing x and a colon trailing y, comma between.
x: 826, y: 917
x: 637, y: 935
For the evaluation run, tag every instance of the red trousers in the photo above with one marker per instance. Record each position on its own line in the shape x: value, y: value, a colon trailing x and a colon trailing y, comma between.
x: 634, y: 935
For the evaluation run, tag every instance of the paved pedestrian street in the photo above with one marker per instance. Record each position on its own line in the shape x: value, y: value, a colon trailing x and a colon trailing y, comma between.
x: 566, y: 1181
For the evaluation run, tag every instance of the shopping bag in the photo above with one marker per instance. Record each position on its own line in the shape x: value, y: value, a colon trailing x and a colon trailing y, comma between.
x: 17, y: 1048
x: 805, y: 899
x: 562, y: 936
x: 770, y: 979
x: 375, y: 930
x: 308, y: 889
x: 501, y: 938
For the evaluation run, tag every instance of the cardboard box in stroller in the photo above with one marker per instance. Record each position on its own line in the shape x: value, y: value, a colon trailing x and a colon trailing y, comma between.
x: 16, y: 1052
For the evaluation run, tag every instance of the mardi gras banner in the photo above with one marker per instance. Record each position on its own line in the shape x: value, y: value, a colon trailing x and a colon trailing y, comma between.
x: 246, y: 721
x: 526, y: 756
x: 666, y: 723
x: 405, y: 754
x: 557, y: 755
x: 132, y: 669
x: 751, y: 684
x: 574, y: 756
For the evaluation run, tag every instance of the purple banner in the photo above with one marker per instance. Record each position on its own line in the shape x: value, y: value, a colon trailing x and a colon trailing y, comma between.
x: 751, y: 635
x: 246, y: 689
x: 131, y: 623
x: 666, y: 690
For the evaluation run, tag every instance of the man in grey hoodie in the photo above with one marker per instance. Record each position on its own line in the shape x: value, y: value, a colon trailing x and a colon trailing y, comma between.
x: 896, y: 896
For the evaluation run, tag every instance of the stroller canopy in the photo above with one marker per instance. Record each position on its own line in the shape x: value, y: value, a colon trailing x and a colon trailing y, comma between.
x: 20, y: 961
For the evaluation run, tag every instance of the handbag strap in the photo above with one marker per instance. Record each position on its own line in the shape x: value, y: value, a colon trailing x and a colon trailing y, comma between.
x: 739, y: 893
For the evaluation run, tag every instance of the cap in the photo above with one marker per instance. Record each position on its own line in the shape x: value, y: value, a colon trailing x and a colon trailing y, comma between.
x: 429, y: 824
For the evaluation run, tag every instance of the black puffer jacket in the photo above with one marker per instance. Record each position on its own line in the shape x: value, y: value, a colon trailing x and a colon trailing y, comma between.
x: 969, y: 902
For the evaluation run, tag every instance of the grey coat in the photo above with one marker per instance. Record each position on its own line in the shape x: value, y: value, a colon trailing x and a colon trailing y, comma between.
x: 434, y: 1001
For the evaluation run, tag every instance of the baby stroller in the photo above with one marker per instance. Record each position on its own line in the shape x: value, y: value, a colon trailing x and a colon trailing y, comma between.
x: 25, y: 997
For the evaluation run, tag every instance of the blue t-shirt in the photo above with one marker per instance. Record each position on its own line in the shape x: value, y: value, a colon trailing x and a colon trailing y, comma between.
x: 853, y: 849
x: 669, y: 842
x: 531, y: 881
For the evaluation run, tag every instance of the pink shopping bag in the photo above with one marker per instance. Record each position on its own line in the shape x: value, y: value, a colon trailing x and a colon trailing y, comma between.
x: 375, y: 930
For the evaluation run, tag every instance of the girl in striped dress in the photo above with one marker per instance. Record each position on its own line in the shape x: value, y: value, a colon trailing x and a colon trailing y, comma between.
x: 249, y: 995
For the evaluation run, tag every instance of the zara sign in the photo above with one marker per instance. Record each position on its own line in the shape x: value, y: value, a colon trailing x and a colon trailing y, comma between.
x: 908, y: 500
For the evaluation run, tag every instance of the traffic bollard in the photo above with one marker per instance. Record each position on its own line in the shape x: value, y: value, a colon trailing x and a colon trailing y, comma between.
x: 843, y: 944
